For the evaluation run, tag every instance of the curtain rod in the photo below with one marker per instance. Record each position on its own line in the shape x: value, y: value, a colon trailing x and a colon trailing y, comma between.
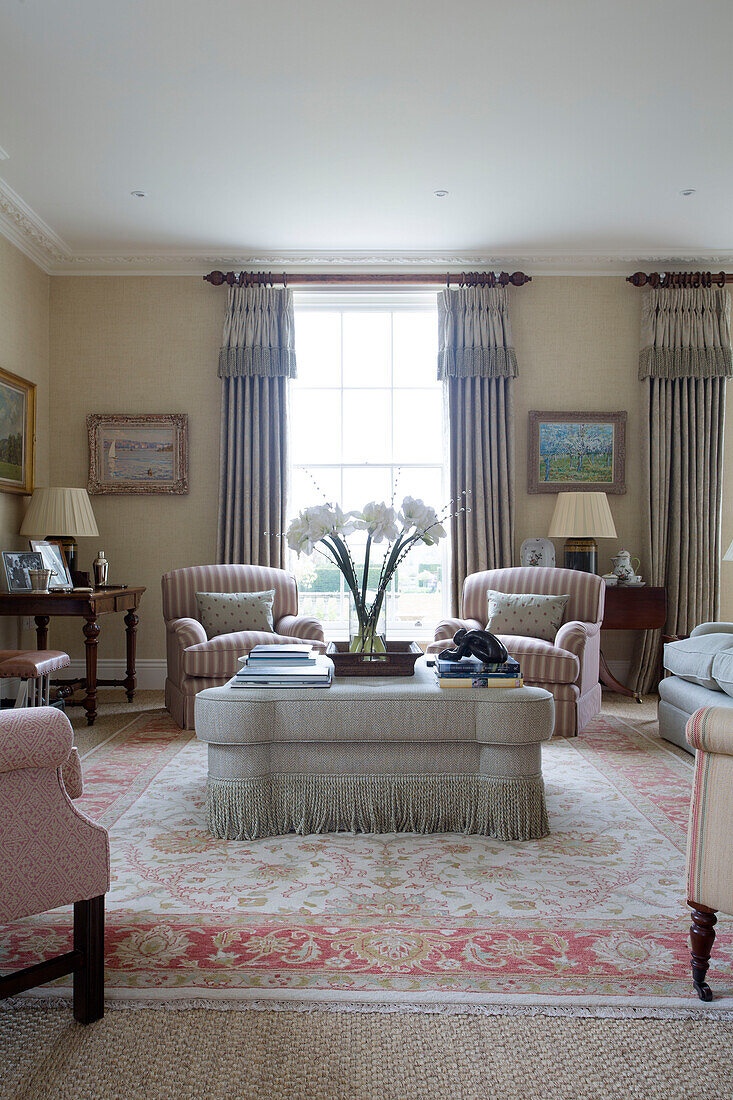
x: 332, y: 278
x: 680, y: 279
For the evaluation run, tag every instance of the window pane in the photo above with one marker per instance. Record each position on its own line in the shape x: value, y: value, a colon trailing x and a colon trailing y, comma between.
x: 415, y: 349
x: 418, y: 419
x: 366, y: 483
x: 367, y: 427
x: 315, y: 425
x: 318, y: 349
x: 424, y: 484
x: 310, y: 487
x: 367, y: 349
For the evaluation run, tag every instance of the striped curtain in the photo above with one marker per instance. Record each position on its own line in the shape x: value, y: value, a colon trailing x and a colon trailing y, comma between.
x: 684, y: 364
x: 478, y: 364
x: 255, y: 362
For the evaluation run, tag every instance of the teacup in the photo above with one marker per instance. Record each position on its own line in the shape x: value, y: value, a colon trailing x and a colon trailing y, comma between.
x: 635, y: 578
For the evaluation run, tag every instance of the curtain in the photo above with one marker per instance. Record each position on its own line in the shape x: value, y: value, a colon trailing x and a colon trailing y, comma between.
x: 255, y: 362
x: 684, y: 362
x: 477, y: 363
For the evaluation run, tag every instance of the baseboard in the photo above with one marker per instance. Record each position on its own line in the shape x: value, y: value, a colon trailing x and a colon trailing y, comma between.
x: 151, y: 673
x: 621, y: 670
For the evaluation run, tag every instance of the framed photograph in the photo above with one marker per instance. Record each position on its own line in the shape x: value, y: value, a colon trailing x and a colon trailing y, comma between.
x: 576, y: 452
x: 55, y: 560
x: 16, y: 564
x: 17, y: 433
x: 138, y: 454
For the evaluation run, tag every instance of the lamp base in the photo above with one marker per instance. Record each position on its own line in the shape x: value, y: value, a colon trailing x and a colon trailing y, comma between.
x: 581, y: 554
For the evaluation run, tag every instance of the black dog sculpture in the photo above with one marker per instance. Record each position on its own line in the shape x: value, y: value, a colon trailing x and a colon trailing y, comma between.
x: 476, y: 643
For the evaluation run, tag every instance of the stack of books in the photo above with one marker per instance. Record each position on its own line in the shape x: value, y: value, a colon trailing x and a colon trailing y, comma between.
x: 470, y: 672
x: 283, y: 666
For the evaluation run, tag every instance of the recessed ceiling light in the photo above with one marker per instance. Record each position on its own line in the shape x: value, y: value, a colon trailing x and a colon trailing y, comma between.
x: 440, y: 194
x: 139, y: 194
x: 687, y: 191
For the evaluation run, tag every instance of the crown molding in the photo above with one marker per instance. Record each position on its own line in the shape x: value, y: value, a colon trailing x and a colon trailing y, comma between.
x: 28, y: 232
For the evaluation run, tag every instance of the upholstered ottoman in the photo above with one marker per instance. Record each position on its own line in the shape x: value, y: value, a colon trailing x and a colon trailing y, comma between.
x: 375, y: 755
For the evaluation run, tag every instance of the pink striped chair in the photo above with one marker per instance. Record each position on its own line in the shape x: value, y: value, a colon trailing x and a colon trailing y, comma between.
x: 50, y: 853
x: 196, y: 662
x: 710, y: 835
x: 568, y: 666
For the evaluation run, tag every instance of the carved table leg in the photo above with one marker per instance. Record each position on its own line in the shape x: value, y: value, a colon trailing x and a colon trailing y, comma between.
x: 42, y: 631
x: 91, y: 636
x: 702, y: 935
x: 608, y: 680
x: 130, y: 682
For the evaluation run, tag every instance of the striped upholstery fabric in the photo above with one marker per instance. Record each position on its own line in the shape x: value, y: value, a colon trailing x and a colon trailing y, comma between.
x: 569, y: 667
x: 195, y: 662
x: 710, y: 836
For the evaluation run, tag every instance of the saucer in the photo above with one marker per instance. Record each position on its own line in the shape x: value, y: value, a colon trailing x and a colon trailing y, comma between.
x: 633, y: 584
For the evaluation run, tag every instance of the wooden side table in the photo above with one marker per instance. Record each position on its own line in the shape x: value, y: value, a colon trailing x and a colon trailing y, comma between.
x: 87, y: 606
x: 629, y: 608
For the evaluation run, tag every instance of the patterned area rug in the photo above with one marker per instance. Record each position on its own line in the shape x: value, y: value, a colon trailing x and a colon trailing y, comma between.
x: 592, y: 915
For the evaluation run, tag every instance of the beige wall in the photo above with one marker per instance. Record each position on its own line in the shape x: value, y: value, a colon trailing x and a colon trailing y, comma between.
x: 24, y: 317
x: 150, y: 344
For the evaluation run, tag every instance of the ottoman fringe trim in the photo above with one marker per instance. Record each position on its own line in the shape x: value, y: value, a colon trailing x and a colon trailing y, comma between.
x: 504, y: 808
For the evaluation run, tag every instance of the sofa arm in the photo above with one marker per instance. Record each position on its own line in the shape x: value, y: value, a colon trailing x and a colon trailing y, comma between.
x: 34, y: 737
x: 711, y: 628
x: 710, y: 729
x: 186, y: 632
x: 445, y: 630
x: 71, y: 775
x: 301, y: 626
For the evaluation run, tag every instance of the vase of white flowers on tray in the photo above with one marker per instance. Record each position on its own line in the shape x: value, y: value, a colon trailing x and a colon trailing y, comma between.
x: 325, y: 528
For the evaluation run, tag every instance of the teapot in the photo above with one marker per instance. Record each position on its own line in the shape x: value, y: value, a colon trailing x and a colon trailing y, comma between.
x: 623, y: 567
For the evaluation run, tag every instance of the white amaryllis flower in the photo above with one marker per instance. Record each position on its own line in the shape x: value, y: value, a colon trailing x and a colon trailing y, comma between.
x: 313, y: 524
x: 413, y: 514
x: 429, y: 529
x: 378, y: 520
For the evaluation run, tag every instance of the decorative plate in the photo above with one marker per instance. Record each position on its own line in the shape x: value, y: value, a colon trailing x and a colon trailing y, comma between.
x: 537, y: 552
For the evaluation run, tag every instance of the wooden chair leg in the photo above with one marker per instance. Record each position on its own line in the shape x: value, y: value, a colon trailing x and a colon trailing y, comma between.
x: 89, y: 978
x: 702, y: 936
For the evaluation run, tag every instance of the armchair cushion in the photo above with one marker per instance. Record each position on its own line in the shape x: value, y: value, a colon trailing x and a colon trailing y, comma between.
x: 526, y: 614
x: 231, y: 612
x: 542, y: 662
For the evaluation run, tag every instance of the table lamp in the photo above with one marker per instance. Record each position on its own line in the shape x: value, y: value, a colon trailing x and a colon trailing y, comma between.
x: 61, y: 514
x: 581, y: 518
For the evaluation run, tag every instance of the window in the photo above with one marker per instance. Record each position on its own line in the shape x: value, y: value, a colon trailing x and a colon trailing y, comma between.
x: 366, y: 423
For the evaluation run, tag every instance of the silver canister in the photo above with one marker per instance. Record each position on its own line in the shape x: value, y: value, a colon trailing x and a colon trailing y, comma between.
x: 101, y: 570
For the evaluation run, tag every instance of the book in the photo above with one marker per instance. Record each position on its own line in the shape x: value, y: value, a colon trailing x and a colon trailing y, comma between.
x: 481, y: 682
x: 469, y: 664
x: 508, y: 673
x: 284, y: 649
x: 280, y: 655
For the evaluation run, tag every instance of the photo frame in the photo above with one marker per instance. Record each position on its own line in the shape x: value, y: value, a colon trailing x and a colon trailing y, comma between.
x: 54, y: 559
x: 17, y: 433
x: 146, y: 454
x: 17, y: 564
x: 576, y: 452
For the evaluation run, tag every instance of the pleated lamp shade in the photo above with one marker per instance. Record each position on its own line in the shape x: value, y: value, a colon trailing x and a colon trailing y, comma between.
x: 59, y: 511
x: 583, y: 516
x: 728, y: 555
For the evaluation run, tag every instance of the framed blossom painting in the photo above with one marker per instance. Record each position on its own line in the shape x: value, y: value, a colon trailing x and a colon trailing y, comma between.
x: 576, y: 452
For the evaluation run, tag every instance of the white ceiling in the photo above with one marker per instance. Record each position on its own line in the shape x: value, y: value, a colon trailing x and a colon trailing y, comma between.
x: 306, y: 129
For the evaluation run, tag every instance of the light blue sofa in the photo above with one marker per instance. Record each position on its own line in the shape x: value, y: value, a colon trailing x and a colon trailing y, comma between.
x: 679, y: 695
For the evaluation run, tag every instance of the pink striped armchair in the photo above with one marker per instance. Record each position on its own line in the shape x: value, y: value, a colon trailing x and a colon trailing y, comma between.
x: 196, y: 662
x: 568, y: 666
x: 50, y: 853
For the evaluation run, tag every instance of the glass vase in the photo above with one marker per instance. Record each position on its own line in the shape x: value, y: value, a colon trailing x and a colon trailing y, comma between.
x: 371, y: 643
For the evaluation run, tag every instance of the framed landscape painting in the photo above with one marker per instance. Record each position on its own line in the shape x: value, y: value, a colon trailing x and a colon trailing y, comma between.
x: 17, y: 433
x: 571, y: 451
x: 138, y: 454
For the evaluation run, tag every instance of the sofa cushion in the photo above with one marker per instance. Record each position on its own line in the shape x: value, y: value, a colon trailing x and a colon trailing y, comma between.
x: 692, y: 658
x: 542, y: 662
x: 525, y: 614
x: 230, y: 612
x: 722, y: 671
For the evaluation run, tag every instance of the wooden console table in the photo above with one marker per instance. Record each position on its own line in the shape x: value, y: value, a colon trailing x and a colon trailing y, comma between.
x: 87, y: 606
x: 629, y: 608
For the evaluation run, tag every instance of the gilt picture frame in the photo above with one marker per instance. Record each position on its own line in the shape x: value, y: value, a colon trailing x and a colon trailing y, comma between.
x: 17, y: 433
x: 576, y: 452
x: 142, y: 455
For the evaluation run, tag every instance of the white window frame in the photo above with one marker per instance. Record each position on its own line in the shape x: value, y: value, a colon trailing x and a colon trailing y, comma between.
x: 379, y: 300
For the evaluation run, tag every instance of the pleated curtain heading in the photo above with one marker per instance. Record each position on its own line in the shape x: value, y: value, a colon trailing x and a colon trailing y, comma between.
x: 256, y: 361
x: 478, y: 364
x: 685, y: 334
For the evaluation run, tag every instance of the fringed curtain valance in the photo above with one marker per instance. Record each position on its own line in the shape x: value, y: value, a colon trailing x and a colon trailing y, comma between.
x: 258, y: 333
x: 478, y: 364
x: 475, y: 334
x: 685, y: 360
x: 685, y: 334
x: 256, y: 360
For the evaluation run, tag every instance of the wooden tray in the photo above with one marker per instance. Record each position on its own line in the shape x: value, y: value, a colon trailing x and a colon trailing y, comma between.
x: 399, y: 660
